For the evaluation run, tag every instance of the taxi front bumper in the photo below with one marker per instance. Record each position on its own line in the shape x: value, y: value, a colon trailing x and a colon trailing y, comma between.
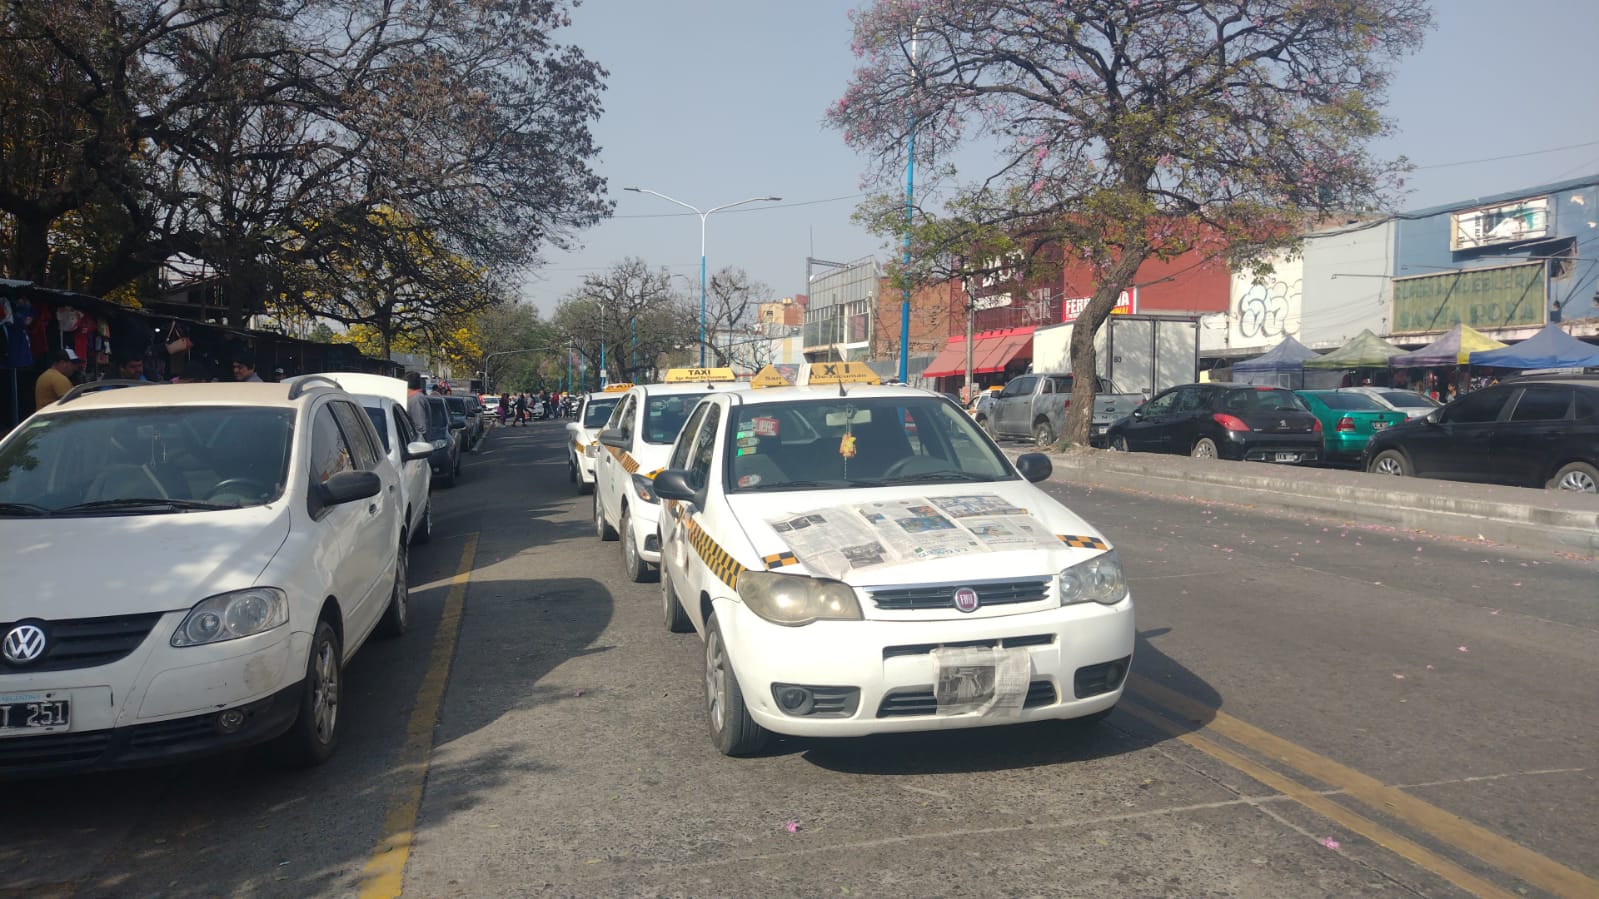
x: 644, y: 518
x: 877, y: 676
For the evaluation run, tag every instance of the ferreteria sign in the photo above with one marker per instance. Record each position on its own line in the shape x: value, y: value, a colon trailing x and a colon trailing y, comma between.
x: 1511, y: 296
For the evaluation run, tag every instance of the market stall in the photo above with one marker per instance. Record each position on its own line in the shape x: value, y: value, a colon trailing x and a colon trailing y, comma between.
x: 1281, y: 366
x: 1551, y: 347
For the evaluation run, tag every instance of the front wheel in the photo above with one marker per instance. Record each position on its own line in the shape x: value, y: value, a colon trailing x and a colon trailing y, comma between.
x: 602, y: 528
x: 1390, y: 462
x: 1043, y: 434
x: 1579, y: 477
x: 314, y: 735
x: 1204, y: 448
x: 638, y: 570
x: 732, y: 729
x: 677, y: 620
x: 424, y: 529
x: 1118, y: 444
x: 397, y: 617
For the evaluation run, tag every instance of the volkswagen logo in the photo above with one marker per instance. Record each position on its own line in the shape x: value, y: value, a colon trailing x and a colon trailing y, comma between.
x: 23, y: 644
x: 965, y: 599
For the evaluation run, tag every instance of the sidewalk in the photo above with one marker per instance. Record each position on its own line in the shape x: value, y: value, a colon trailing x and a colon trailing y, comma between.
x: 1517, y: 516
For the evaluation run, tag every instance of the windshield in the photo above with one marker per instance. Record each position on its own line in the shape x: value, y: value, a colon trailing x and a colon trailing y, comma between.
x: 842, y: 442
x: 1407, y: 400
x: 378, y: 422
x: 457, y: 407
x: 1349, y: 402
x: 664, y: 416
x: 598, y: 412
x: 146, y: 461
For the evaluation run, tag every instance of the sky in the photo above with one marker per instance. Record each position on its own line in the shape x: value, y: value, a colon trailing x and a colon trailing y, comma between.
x: 714, y: 101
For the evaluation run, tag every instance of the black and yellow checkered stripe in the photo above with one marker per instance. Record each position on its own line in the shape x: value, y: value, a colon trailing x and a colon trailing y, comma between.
x: 779, y: 560
x: 1082, y: 542
x: 724, y: 566
x: 629, y: 464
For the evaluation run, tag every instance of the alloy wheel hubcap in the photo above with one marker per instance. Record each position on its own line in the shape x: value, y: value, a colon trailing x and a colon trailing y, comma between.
x: 1579, y: 482
x: 1388, y: 466
x: 402, y: 589
x: 325, y: 694
x: 715, y: 679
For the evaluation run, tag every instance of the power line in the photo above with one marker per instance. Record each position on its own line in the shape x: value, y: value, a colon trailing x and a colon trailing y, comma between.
x: 1445, y: 165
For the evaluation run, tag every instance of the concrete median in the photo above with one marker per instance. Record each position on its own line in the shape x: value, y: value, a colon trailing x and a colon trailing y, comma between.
x: 1516, y: 516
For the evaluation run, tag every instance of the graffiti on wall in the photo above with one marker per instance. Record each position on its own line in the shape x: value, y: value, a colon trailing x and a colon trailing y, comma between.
x: 1264, y: 310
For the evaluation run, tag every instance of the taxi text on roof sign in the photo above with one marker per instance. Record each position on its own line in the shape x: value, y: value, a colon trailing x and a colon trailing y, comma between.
x: 621, y: 387
x: 769, y: 377
x: 686, y: 375
x: 839, y: 373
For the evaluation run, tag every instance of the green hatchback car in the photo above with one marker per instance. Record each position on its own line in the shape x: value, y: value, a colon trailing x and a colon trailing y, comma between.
x: 1348, y: 419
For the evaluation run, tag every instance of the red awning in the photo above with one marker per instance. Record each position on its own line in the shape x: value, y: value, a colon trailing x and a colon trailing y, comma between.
x: 951, y: 360
x: 1001, y: 350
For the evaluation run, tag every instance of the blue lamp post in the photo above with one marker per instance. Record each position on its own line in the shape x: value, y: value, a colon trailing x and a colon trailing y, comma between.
x: 703, y: 216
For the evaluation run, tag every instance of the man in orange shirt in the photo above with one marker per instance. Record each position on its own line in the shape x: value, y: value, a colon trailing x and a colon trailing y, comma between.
x: 55, y: 381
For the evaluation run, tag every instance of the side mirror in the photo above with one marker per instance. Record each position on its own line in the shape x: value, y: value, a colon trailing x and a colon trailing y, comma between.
x: 1034, y: 467
x: 673, y: 484
x: 1138, y: 412
x: 349, y: 486
x: 1434, y: 417
x: 615, y: 437
x: 416, y: 449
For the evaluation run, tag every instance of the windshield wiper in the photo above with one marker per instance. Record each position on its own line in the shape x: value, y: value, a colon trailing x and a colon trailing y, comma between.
x: 931, y: 476
x: 142, y: 505
x: 22, y: 509
x: 794, y: 485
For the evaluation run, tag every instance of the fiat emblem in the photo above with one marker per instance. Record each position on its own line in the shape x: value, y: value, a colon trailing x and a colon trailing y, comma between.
x: 966, y: 599
x: 23, y: 644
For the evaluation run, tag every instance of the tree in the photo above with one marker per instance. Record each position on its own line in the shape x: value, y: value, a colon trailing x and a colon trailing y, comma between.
x: 514, y: 339
x: 224, y: 131
x: 632, y: 312
x: 1125, y: 128
x: 732, y: 301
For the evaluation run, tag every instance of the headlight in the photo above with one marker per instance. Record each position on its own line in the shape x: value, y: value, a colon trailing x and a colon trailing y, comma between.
x: 1097, y: 580
x: 795, y: 600
x: 645, y: 488
x: 440, y: 444
x: 229, y: 616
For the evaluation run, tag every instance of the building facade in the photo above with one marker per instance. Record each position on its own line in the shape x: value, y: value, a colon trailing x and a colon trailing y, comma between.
x: 840, y: 317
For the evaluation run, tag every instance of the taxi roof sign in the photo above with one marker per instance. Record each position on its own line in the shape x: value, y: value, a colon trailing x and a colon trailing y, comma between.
x: 769, y: 377
x: 839, y: 373
x: 618, y: 387
x: 687, y: 375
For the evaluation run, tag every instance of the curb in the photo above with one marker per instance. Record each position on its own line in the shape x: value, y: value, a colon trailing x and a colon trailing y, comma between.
x: 1515, y: 516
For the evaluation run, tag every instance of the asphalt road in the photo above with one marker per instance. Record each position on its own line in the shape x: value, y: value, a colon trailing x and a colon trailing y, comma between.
x: 1315, y: 710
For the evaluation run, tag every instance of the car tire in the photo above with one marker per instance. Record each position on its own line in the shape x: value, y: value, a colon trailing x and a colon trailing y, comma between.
x: 397, y: 617
x: 1579, y: 477
x: 1204, y: 448
x: 424, y: 530
x: 584, y: 487
x: 314, y: 735
x: 1043, y: 435
x: 602, y: 528
x: 677, y: 620
x: 1390, y: 462
x: 1118, y: 444
x: 732, y: 729
x: 638, y: 570
x: 571, y: 470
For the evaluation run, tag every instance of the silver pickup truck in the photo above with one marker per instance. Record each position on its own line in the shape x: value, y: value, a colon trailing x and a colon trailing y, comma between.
x: 1035, y: 406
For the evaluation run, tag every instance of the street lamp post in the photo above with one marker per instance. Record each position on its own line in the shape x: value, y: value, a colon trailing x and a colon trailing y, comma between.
x: 705, y: 214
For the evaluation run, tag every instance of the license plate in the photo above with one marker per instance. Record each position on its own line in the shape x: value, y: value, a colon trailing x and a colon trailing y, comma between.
x: 1287, y: 457
x: 33, y: 713
x: 980, y: 680
x: 1100, y: 429
x: 1378, y: 425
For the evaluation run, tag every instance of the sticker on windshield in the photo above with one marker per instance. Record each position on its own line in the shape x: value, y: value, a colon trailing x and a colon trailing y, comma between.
x: 749, y: 480
x: 749, y: 441
x: 765, y: 426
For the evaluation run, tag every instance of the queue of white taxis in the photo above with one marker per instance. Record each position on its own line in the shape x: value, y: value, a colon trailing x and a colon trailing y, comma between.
x: 634, y: 445
x: 583, y: 435
x: 862, y: 559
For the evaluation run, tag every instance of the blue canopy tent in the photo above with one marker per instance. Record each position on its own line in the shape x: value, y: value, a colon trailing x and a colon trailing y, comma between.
x: 1281, y: 366
x: 1551, y: 347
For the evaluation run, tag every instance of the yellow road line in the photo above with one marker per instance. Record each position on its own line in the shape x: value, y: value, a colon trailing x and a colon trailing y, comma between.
x: 1506, y: 855
x: 1326, y: 807
x: 384, y: 875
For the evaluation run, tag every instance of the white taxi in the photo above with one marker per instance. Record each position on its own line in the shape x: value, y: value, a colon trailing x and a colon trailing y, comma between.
x: 582, y: 436
x: 862, y: 559
x: 634, y: 445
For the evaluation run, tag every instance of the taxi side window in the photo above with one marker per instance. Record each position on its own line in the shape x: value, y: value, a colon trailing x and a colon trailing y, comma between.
x: 622, y: 418
x: 402, y: 423
x: 358, y: 434
x: 687, y: 437
x: 699, y: 472
x: 329, y: 453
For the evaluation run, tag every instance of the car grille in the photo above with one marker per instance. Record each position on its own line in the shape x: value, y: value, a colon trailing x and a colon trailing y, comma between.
x: 921, y: 649
x: 920, y: 700
x: 942, y: 596
x: 88, y: 642
x: 48, y: 750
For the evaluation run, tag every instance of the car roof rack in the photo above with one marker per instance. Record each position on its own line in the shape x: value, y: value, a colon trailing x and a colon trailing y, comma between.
x: 97, y: 386
x: 306, y: 382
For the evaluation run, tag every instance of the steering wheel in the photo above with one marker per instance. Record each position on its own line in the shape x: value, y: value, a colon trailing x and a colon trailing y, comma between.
x: 913, y: 465
x: 247, y: 488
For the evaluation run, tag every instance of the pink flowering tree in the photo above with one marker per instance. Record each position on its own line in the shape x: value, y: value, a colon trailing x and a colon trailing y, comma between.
x: 1122, y: 128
